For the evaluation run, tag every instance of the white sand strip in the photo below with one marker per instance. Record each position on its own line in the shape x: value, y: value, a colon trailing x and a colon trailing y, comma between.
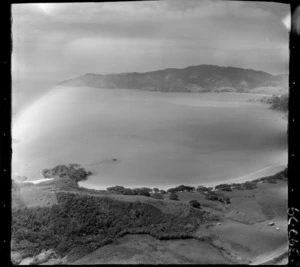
x: 265, y: 172
x: 38, y: 181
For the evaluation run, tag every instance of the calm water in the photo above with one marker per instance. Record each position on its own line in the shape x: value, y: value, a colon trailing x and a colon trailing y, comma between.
x: 25, y: 91
x: 155, y: 139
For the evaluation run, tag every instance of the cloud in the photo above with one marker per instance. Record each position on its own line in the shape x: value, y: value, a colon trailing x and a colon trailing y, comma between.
x: 146, y: 34
x: 134, y: 18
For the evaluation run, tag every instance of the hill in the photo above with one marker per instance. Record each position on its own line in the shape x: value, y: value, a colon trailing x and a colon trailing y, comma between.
x: 57, y: 221
x: 202, y: 78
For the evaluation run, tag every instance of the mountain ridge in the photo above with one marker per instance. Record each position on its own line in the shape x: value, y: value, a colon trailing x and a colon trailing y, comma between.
x: 200, y: 78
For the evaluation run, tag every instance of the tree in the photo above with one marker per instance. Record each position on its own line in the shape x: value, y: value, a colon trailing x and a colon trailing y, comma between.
x: 157, y: 196
x: 127, y: 191
x: 156, y: 190
x: 278, y: 102
x: 181, y: 188
x: 189, y: 188
x: 249, y: 185
x: 223, y: 187
x: 173, y: 196
x: 45, y: 173
x: 195, y: 204
x: 147, y: 189
x: 142, y: 191
x: 212, y: 196
x: 172, y: 190
x: 73, y: 171
x: 117, y: 188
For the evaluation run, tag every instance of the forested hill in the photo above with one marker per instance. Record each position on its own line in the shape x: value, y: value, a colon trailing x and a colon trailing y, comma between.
x: 202, y: 78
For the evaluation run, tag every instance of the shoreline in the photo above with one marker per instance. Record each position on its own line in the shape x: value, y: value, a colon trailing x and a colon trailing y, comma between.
x: 38, y: 181
x: 267, y: 171
x: 252, y: 176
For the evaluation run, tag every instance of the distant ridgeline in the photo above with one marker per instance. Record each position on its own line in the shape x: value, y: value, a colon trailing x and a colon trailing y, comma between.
x: 202, y: 78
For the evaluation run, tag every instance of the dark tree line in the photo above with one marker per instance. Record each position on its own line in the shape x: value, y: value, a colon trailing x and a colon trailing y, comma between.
x: 92, y: 221
x: 181, y: 188
x: 144, y: 191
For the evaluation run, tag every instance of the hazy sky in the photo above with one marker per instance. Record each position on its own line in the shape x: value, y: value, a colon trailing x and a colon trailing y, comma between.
x: 71, y: 39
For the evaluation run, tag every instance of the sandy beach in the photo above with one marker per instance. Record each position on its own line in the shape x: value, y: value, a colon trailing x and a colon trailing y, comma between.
x: 271, y: 170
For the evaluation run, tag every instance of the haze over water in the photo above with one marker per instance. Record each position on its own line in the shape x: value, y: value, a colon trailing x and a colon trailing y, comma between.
x: 137, y: 138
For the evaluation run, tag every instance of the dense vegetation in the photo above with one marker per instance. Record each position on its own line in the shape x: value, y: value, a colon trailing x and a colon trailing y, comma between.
x: 278, y: 102
x: 223, y: 187
x: 253, y: 184
x: 157, y: 196
x: 283, y: 175
x: 80, y: 220
x: 244, y: 186
x: 181, y: 188
x: 72, y: 171
x: 195, y: 204
x: 208, y: 191
x: 173, y: 196
x: 211, y: 195
x: 144, y: 191
x: 84, y: 219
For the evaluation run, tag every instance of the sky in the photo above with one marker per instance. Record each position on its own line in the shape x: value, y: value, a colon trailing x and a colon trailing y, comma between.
x: 69, y: 39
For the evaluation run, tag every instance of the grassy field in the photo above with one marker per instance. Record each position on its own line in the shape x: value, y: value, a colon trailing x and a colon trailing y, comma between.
x: 144, y: 249
x: 248, y: 241
x: 147, y: 230
x: 244, y: 228
x: 26, y: 195
x: 266, y: 202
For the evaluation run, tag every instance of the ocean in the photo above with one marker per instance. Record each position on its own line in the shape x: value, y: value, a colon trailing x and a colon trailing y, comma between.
x: 140, y: 138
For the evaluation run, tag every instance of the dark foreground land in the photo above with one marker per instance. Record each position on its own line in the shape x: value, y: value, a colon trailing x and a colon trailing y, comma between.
x: 58, y: 222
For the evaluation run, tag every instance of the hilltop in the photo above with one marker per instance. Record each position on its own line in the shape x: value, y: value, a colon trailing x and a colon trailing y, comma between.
x: 202, y: 78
